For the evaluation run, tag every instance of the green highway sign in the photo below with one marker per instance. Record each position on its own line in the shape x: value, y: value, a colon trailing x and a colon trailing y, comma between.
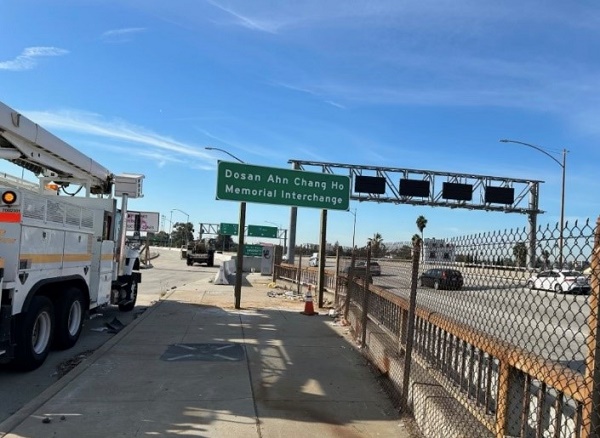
x: 260, y: 231
x: 228, y: 229
x: 271, y: 185
x: 253, y: 250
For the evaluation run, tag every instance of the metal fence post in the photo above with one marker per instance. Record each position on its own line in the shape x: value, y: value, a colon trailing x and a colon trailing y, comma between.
x: 337, y: 272
x: 299, y: 275
x: 592, y: 364
x: 410, y: 327
x: 349, y: 286
x: 365, y: 302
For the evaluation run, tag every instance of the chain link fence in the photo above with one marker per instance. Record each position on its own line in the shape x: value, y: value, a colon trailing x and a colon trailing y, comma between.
x: 491, y: 334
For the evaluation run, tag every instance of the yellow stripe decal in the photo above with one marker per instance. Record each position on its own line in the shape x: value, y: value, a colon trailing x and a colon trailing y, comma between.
x: 57, y: 258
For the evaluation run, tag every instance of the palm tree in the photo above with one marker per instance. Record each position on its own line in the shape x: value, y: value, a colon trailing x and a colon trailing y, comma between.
x: 376, y: 242
x: 421, y: 224
x: 416, y: 241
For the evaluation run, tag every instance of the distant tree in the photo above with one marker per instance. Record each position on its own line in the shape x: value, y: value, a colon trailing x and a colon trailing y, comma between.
x: 376, y: 244
x: 182, y: 233
x: 405, y: 252
x: 461, y: 258
x: 336, y: 245
x: 421, y: 224
x: 159, y: 239
x: 546, y: 258
x: 224, y: 243
x: 520, y: 253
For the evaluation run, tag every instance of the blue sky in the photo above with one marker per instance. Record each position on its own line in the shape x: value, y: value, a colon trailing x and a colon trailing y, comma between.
x: 144, y: 86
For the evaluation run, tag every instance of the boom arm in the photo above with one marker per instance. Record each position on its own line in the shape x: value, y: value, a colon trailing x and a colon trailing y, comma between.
x: 30, y: 146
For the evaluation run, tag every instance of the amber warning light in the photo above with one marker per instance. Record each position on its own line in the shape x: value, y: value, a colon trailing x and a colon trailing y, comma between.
x: 9, y: 197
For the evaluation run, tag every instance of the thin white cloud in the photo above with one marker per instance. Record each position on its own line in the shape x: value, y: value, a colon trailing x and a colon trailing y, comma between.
x: 306, y: 90
x: 94, y: 125
x: 335, y: 104
x: 245, y: 21
x: 28, y: 59
x: 121, y: 35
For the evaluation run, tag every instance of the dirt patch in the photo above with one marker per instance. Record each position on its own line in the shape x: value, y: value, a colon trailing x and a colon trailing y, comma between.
x: 67, y: 365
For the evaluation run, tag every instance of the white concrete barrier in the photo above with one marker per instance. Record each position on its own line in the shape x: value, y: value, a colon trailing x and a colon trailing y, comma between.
x: 221, y: 278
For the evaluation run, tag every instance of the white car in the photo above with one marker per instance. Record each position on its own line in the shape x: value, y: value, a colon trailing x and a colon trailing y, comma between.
x: 314, y: 260
x: 560, y: 281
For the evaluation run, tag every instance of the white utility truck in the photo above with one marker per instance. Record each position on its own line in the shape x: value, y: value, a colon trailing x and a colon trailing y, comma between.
x: 61, y: 256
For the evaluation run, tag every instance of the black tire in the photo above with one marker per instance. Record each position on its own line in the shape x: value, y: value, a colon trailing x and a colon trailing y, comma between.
x: 69, y: 316
x: 34, y: 334
x: 530, y: 284
x: 558, y: 289
x: 189, y: 262
x: 132, y: 297
x: 436, y: 285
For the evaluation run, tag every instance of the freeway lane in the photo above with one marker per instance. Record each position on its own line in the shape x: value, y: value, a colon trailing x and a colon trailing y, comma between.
x: 549, y: 324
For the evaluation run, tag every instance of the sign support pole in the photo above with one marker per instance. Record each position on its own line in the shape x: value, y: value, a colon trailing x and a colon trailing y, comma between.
x: 322, y: 257
x: 240, y: 257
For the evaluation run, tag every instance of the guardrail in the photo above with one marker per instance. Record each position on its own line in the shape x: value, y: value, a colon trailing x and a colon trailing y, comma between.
x: 509, y: 389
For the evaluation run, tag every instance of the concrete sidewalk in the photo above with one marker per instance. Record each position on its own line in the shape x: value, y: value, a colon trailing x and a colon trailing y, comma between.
x: 193, y: 365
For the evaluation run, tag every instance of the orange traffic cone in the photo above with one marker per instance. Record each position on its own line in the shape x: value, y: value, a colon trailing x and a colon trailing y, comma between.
x: 308, y: 304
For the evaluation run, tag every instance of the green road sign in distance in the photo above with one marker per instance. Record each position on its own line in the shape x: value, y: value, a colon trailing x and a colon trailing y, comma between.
x: 260, y: 231
x: 271, y: 185
x: 253, y: 250
x: 228, y: 229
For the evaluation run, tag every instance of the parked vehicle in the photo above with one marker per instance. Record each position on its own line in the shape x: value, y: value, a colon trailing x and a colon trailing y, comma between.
x: 375, y: 267
x: 313, y: 261
x: 441, y: 279
x: 61, y: 257
x: 560, y: 281
x: 359, y: 271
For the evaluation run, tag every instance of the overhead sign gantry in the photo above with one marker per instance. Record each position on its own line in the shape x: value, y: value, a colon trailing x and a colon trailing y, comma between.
x: 432, y: 188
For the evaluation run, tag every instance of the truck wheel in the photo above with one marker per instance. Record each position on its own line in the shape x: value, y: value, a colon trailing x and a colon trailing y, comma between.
x: 34, y: 334
x: 189, y: 262
x: 210, y: 263
x: 69, y: 319
x: 132, y: 297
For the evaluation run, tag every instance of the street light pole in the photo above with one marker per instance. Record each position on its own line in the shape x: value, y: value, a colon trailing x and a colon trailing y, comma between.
x: 171, y: 229
x: 225, y: 152
x: 278, y: 228
x: 240, y: 252
x: 563, y: 165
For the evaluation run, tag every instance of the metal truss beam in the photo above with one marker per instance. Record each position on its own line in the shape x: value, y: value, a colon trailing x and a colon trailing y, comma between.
x: 525, y: 200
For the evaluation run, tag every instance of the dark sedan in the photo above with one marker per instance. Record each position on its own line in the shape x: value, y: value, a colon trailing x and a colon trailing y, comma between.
x: 441, y: 279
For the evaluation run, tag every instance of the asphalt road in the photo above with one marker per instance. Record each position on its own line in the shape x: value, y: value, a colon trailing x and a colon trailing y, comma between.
x: 169, y: 271
x: 543, y: 322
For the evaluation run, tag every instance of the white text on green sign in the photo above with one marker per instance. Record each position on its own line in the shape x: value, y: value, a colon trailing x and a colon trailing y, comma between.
x: 270, y: 185
x: 262, y: 231
x: 253, y: 250
x: 228, y: 229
